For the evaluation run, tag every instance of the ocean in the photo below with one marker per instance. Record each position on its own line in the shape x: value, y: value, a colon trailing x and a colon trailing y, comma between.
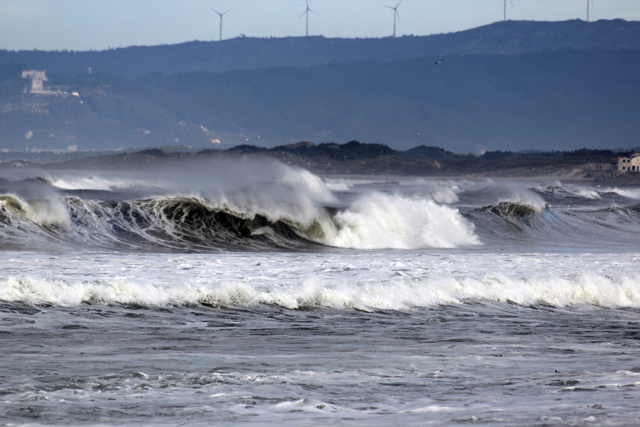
x: 131, y: 298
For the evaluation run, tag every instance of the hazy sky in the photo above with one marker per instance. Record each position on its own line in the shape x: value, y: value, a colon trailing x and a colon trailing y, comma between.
x: 101, y: 24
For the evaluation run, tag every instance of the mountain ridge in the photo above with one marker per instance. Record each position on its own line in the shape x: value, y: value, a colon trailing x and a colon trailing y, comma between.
x: 503, y: 37
x: 469, y: 102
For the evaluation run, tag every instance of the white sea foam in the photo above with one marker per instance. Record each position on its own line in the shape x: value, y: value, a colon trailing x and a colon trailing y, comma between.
x: 589, y: 194
x: 93, y: 182
x: 631, y: 193
x: 445, y: 196
x: 400, y: 294
x: 377, y: 221
x: 338, y: 184
x: 577, y: 191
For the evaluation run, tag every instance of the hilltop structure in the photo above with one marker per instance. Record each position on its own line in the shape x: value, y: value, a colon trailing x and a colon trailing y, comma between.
x: 38, y: 77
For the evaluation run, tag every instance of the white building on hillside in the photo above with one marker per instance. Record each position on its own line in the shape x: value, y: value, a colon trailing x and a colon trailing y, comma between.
x: 38, y: 77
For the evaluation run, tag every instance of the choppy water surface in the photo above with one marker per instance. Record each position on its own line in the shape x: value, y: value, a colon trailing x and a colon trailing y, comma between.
x: 131, y: 299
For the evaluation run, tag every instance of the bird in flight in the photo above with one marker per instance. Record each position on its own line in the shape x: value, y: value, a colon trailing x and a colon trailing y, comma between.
x: 439, y: 61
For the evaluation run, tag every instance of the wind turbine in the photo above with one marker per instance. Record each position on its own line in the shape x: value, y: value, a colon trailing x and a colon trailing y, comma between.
x: 395, y: 14
x: 221, y: 15
x: 589, y: 1
x: 306, y: 12
x: 505, y: 8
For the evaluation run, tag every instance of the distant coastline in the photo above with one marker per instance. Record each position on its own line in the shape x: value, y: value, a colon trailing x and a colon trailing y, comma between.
x: 353, y: 158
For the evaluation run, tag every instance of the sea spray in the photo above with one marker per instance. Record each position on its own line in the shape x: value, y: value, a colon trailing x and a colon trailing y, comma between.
x: 377, y: 221
x: 285, y: 204
x: 41, y: 211
x: 445, y: 196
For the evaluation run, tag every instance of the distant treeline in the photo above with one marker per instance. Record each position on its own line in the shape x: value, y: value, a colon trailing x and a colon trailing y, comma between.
x: 500, y: 160
x: 367, y: 156
x: 357, y: 150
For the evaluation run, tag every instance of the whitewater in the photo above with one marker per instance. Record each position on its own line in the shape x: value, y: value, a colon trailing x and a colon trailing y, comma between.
x: 131, y: 297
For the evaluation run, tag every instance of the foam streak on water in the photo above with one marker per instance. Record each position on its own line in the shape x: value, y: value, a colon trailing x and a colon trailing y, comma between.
x: 393, y: 282
x: 347, y: 338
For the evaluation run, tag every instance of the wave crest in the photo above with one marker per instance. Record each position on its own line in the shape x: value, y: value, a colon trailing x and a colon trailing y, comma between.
x: 378, y: 221
x: 375, y: 221
x: 402, y: 294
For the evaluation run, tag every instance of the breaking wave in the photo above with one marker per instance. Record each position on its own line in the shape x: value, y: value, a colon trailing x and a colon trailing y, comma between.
x: 374, y: 221
x: 402, y: 294
x: 201, y: 208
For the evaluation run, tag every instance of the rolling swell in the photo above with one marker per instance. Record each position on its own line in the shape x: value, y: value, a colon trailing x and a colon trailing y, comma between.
x: 520, y: 223
x: 518, y: 211
x: 156, y: 224
x: 293, y: 214
x: 188, y: 223
x: 626, y: 219
x: 517, y: 222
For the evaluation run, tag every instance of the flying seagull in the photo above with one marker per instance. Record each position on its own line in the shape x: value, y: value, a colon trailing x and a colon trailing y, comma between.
x: 439, y: 61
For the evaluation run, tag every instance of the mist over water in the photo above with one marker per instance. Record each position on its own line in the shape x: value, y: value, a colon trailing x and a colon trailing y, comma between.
x: 282, y: 205
x: 132, y: 298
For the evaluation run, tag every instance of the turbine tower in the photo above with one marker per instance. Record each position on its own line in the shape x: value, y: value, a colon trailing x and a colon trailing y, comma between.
x: 221, y: 15
x: 589, y: 1
x: 395, y: 14
x: 306, y: 12
x: 505, y: 8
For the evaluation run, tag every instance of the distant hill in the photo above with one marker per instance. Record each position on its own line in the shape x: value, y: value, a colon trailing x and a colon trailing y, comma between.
x: 549, y: 97
x: 569, y: 99
x: 508, y: 37
x: 351, y: 158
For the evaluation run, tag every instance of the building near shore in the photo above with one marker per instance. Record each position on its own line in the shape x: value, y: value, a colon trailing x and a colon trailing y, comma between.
x: 628, y: 164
